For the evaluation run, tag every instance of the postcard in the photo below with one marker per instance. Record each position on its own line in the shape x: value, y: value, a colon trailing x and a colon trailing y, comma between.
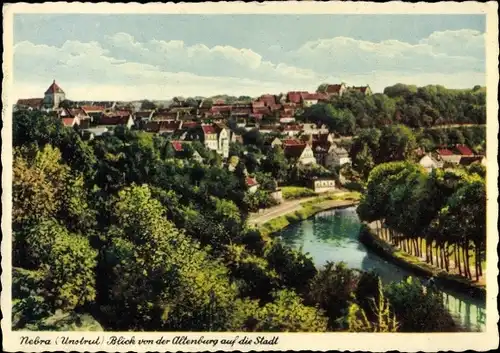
x: 250, y: 176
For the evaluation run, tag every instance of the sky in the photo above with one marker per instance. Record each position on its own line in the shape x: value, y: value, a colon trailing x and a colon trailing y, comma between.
x: 128, y: 57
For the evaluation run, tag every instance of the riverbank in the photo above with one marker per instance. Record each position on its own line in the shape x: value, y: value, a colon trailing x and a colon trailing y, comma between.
x: 298, y: 210
x: 415, y: 265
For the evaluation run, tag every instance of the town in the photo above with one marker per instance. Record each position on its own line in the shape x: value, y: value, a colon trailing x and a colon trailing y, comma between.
x: 219, y: 121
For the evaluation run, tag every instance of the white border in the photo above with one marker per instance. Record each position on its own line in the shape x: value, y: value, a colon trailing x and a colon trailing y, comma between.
x: 287, y: 341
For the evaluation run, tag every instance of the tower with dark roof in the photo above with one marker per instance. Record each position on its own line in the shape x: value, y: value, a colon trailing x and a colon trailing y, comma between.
x: 53, y: 96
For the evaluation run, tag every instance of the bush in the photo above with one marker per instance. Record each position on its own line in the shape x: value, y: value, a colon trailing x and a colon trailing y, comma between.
x: 296, y: 192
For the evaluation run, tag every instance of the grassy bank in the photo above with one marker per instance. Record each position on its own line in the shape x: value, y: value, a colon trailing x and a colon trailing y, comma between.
x: 308, y: 209
x: 420, y: 268
x: 296, y: 192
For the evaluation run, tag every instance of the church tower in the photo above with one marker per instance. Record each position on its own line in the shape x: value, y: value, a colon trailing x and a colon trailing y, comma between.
x: 53, y: 96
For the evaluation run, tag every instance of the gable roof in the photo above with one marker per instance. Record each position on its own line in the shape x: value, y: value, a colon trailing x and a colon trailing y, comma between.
x: 54, y: 88
x: 294, y: 151
x: 69, y: 121
x: 251, y: 181
x: 292, y: 142
x: 209, y: 129
x: 113, y: 120
x: 31, y: 102
x: 445, y: 152
x: 468, y: 160
x: 333, y: 88
x: 464, y: 150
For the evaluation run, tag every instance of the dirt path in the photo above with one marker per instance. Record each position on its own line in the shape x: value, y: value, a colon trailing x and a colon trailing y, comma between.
x: 288, y: 206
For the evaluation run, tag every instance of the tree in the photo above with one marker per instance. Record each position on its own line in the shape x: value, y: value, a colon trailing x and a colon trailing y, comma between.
x: 426, y: 312
x: 397, y: 143
x: 287, y: 314
x: 332, y: 289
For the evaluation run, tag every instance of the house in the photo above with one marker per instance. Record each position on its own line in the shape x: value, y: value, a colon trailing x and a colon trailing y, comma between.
x: 143, y: 116
x: 163, y: 127
x: 295, y: 97
x: 286, y: 119
x: 179, y: 148
x: 70, y: 121
x: 276, y: 142
x: 464, y: 150
x: 468, y: 160
x: 54, y: 95
x: 277, y: 195
x: 320, y: 150
x: 216, y: 138
x: 93, y: 132
x: 430, y: 163
x: 309, y: 99
x: 29, y: 104
x: 251, y: 184
x: 236, y: 138
x: 320, y: 185
x: 337, y: 156
x: 334, y: 90
x: 292, y: 130
x: 302, y: 153
x: 268, y: 99
x: 123, y: 118
x: 93, y: 111
x: 366, y: 90
x: 449, y: 156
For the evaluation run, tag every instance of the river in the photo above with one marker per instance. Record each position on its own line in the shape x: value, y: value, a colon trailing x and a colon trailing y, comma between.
x: 332, y: 235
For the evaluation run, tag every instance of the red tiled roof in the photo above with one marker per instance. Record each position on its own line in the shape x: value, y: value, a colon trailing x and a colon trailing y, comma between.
x: 209, y: 129
x: 177, y: 145
x: 464, y: 150
x: 333, y: 88
x: 189, y: 124
x: 313, y: 96
x: 113, y: 120
x: 31, y: 102
x: 361, y: 89
x: 77, y: 112
x: 143, y: 114
x: 445, y: 152
x: 258, y: 104
x: 294, y: 97
x: 68, y: 121
x: 54, y: 88
x: 268, y: 99
x: 251, y: 181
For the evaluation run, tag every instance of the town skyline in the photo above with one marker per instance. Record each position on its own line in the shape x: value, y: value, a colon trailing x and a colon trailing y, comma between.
x: 158, y: 57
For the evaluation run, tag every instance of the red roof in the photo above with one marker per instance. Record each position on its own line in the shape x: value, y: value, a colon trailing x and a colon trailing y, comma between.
x: 464, y: 150
x: 54, y: 88
x: 189, y: 124
x: 68, y: 121
x: 258, y: 104
x: 333, y: 88
x: 208, y: 129
x: 251, y: 181
x: 77, y: 112
x: 31, y: 102
x: 361, y: 89
x: 268, y: 99
x: 313, y: 96
x: 113, y: 120
x: 294, y: 97
x: 445, y: 152
x: 177, y: 145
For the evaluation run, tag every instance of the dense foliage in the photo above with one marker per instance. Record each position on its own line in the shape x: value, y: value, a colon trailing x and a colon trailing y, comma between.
x: 122, y: 233
x: 440, y: 216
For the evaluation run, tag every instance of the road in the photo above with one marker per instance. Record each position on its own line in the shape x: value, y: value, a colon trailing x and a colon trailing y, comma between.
x: 288, y: 206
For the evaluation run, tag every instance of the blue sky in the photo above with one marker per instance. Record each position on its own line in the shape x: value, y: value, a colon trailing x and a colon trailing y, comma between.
x: 159, y: 56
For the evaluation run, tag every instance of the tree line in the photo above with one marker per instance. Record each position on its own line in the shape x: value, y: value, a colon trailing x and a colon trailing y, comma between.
x: 123, y: 231
x: 440, y: 216
x: 415, y: 107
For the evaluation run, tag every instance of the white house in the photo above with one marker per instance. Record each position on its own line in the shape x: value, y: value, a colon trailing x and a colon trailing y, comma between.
x: 336, y: 156
x: 302, y: 153
x: 216, y: 138
x: 252, y: 184
x: 322, y: 184
x: 430, y: 163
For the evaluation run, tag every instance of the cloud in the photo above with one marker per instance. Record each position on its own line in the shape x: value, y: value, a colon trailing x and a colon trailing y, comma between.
x: 448, y: 51
x: 121, y: 67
